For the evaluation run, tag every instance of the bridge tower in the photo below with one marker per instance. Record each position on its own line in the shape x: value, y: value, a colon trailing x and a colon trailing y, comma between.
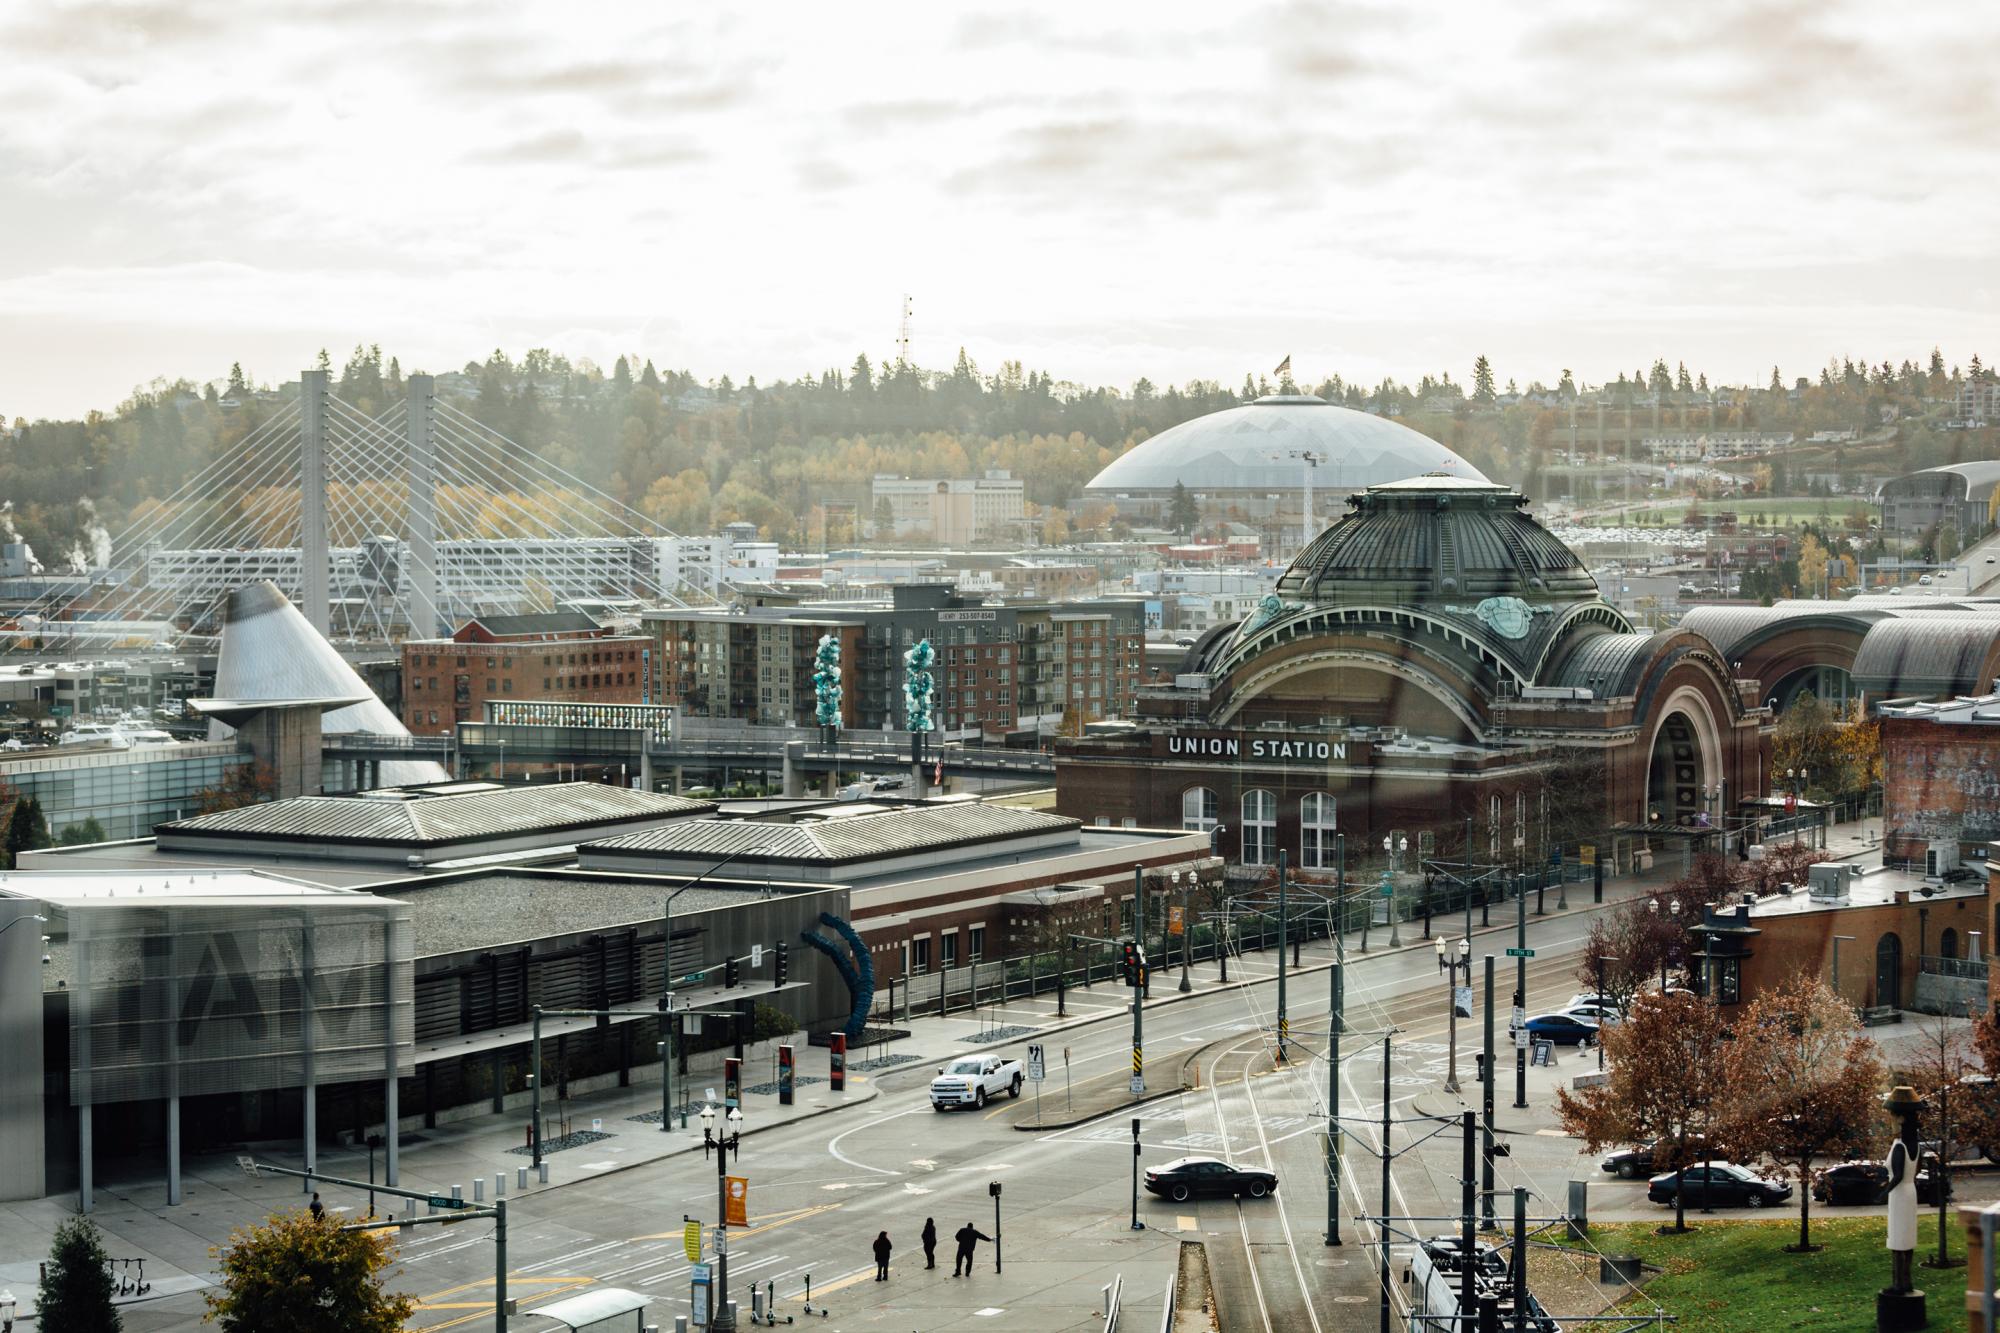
x: 314, y: 557
x: 423, y: 510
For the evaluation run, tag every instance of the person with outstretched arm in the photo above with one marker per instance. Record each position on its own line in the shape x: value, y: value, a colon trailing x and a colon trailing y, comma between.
x: 967, y: 1236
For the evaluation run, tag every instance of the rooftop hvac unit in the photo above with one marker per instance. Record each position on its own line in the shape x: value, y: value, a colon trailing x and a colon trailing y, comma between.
x: 1940, y: 859
x: 1829, y: 881
x: 1333, y: 722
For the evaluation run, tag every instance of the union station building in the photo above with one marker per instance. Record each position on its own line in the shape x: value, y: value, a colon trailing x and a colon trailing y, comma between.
x: 1436, y: 655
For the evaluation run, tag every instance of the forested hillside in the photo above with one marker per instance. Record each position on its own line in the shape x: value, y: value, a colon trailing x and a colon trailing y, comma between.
x: 696, y: 454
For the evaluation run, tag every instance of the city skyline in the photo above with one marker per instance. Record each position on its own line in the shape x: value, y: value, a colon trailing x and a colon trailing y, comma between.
x: 1160, y: 193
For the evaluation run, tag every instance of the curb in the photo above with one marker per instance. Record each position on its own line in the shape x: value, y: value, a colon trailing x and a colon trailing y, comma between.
x: 872, y: 1091
x: 1186, y: 1058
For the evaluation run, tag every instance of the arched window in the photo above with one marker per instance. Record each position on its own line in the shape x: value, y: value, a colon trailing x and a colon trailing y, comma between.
x: 1948, y: 943
x: 1200, y: 811
x: 1316, y: 825
x: 1260, y: 828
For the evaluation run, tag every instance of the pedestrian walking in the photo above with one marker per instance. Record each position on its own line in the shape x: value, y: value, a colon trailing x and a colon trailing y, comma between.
x: 317, y: 1208
x: 882, y: 1248
x: 968, y: 1237
x: 930, y: 1242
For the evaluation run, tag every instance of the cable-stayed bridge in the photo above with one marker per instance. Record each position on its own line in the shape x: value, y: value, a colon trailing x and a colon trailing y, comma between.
x: 379, y: 528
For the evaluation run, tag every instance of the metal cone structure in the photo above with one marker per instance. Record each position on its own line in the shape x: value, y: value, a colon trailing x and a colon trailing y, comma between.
x: 269, y: 651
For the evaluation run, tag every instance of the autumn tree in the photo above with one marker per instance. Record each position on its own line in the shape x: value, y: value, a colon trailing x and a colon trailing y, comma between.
x: 1801, y: 1081
x: 1664, y: 1064
x: 75, y: 1291
x: 245, y: 784
x: 1840, y: 750
x: 305, y: 1275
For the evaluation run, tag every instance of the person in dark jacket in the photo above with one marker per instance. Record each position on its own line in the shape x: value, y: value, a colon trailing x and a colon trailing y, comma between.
x: 930, y: 1242
x: 882, y: 1248
x: 967, y: 1237
x: 318, y: 1208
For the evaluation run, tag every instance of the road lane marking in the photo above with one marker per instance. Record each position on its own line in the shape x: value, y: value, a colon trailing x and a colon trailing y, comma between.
x: 858, y: 1275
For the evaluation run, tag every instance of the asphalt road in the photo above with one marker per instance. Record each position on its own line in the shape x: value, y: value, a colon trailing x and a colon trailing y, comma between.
x: 821, y: 1190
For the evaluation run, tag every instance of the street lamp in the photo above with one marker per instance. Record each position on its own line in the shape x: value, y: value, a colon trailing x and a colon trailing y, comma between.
x: 667, y: 986
x: 1673, y: 914
x: 1450, y: 966
x: 1602, y: 959
x: 1187, y: 934
x: 720, y: 1320
x: 1395, y: 846
x: 7, y: 1307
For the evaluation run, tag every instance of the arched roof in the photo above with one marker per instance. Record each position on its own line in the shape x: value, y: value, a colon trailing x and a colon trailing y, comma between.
x: 1929, y: 655
x: 1970, y: 481
x: 1251, y: 448
x: 1608, y: 665
x: 1732, y: 629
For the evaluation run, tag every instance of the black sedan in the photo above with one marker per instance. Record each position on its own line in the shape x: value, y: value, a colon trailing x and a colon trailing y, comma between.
x: 1562, y: 1029
x: 1186, y: 1177
x: 1863, y: 1182
x: 1720, y: 1185
x: 1631, y: 1163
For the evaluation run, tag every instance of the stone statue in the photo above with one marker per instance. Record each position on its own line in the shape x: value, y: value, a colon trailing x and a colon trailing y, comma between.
x: 1900, y: 1305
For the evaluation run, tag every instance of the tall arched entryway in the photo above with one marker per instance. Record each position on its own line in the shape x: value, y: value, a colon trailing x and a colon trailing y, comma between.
x: 1889, y: 970
x: 1677, y: 773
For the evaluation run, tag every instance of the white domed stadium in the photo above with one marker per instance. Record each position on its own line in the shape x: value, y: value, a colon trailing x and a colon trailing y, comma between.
x: 1249, y: 460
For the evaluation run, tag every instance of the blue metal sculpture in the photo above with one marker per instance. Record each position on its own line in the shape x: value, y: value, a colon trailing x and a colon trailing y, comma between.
x: 859, y: 974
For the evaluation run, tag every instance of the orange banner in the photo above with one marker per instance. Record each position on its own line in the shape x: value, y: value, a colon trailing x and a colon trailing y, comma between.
x: 1175, y: 924
x: 736, y: 1202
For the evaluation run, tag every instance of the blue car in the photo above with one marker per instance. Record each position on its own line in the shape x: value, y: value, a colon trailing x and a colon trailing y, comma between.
x: 1562, y: 1029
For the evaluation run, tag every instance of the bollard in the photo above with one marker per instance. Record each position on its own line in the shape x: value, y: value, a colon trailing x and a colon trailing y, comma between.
x: 1107, y: 1300
x: 520, y: 1177
x: 499, y: 1184
x: 431, y: 1208
x: 680, y: 1323
x: 457, y: 1196
x: 479, y: 1190
x: 732, y: 1314
x: 545, y: 1173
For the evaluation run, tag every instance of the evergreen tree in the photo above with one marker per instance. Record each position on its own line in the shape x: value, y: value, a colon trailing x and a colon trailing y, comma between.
x: 1482, y: 380
x: 304, y: 1275
x: 885, y: 518
x: 1777, y: 384
x: 1183, y: 514
x: 621, y: 375
x: 649, y: 376
x: 325, y: 362
x: 82, y: 835
x: 1682, y: 382
x: 1566, y: 386
x: 75, y: 1292
x: 27, y: 831
x: 1701, y: 383
x: 237, y: 388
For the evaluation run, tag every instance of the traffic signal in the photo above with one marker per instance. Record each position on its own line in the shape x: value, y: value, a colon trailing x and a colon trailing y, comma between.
x: 729, y: 974
x: 1128, y: 963
x: 1144, y: 973
x: 784, y: 965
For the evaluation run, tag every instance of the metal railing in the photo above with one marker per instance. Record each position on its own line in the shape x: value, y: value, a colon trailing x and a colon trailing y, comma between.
x: 1967, y: 968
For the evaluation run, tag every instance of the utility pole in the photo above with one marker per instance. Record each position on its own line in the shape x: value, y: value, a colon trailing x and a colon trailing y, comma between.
x: 1519, y: 1261
x: 1382, y: 1225
x: 1520, y: 986
x: 1340, y: 886
x: 1335, y: 1020
x: 1284, y: 1023
x: 1486, y: 1100
x: 1468, y: 1240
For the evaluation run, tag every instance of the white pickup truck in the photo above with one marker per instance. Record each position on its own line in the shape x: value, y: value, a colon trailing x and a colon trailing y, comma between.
x: 969, y: 1081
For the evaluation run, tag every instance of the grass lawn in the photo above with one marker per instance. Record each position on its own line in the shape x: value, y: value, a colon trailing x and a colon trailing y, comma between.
x: 1726, y: 1277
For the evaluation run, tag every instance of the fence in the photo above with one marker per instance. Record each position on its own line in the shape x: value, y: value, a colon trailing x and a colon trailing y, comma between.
x: 989, y: 982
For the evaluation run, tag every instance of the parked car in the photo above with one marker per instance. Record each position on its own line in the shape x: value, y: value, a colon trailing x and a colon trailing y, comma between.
x: 1562, y: 1029
x: 1604, y: 1015
x: 969, y: 1081
x: 1185, y: 1177
x: 1863, y: 1182
x: 1720, y: 1185
x: 1589, y: 997
x: 1631, y: 1163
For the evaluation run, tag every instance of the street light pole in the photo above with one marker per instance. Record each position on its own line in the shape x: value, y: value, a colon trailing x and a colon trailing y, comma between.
x: 1187, y: 936
x: 720, y: 1319
x: 667, y: 1020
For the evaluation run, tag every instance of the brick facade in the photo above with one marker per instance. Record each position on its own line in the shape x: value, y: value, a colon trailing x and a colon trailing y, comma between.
x: 446, y: 681
x: 1940, y: 782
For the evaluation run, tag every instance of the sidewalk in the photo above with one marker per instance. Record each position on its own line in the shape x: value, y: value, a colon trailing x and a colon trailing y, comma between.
x: 617, y: 1129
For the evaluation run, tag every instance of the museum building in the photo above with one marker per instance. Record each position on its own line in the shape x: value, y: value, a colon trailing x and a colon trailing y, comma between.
x: 1434, y: 656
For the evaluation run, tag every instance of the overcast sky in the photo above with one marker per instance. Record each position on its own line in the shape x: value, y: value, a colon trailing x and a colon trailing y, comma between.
x: 1103, y: 191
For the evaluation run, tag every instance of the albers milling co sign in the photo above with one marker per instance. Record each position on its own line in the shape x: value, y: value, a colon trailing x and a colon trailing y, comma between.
x: 1253, y: 746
